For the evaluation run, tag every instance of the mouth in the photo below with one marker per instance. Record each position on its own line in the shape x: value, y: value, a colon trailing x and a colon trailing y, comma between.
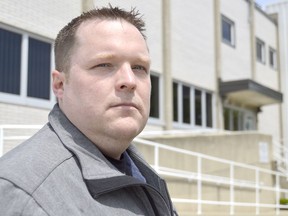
x: 125, y: 106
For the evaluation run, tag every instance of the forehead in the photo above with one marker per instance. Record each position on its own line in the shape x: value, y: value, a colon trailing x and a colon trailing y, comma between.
x: 98, y: 27
x: 97, y: 34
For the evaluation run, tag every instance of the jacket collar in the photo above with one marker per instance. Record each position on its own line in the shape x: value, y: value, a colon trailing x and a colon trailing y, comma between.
x: 93, y: 163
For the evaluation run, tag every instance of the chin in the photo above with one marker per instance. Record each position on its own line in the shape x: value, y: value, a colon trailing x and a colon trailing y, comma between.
x: 128, y: 131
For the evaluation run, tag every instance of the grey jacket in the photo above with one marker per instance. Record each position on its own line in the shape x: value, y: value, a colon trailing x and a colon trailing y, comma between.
x: 60, y: 172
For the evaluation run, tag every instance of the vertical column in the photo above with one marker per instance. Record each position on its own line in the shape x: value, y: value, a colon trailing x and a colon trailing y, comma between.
x: 87, y: 5
x: 166, y: 46
x: 252, y: 39
x: 199, y: 185
x: 156, y: 158
x: 277, y: 194
x: 24, y: 66
x: 232, y: 203
x: 257, y: 191
x: 217, y: 37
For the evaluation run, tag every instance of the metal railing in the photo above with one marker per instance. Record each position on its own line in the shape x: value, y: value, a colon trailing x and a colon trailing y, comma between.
x: 198, y: 176
x: 281, y: 157
x: 231, y: 182
x: 5, y: 136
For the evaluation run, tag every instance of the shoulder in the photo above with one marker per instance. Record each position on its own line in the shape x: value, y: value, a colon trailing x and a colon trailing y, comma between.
x: 31, y: 162
x: 15, y: 201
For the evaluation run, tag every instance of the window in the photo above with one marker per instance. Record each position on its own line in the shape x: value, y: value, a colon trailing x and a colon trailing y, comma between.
x: 228, y: 31
x: 198, y: 107
x: 154, y: 99
x: 208, y: 110
x: 239, y: 119
x: 39, y: 60
x: 272, y: 58
x: 260, y: 51
x: 25, y: 66
x: 192, y: 107
x: 175, y: 102
x: 10, y: 62
x: 186, y: 104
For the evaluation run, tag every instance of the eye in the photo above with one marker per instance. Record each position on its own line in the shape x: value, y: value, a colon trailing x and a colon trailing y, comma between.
x: 103, y: 65
x: 139, y: 68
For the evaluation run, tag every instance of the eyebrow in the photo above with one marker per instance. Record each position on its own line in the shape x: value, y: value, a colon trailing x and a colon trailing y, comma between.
x: 142, y: 58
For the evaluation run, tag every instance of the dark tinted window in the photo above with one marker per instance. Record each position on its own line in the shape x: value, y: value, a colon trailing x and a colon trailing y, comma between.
x: 198, y: 107
x: 154, y: 100
x: 208, y: 110
x: 175, y: 101
x: 39, y: 60
x: 226, y: 31
x: 10, y: 61
x: 186, y: 104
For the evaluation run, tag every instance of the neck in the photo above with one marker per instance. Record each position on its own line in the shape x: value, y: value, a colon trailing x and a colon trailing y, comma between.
x: 111, y: 147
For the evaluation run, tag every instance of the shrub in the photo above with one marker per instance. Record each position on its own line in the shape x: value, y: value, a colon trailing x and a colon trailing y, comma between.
x: 284, y: 201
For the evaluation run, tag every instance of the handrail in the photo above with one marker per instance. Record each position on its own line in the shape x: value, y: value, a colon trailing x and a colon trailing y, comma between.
x: 196, y: 154
x: 231, y: 182
x: 281, y: 157
x: 3, y: 136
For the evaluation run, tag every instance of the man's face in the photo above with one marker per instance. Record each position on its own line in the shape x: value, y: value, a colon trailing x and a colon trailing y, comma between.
x: 107, y: 91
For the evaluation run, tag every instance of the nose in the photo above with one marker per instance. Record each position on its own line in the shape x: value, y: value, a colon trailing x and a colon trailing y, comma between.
x: 126, y: 80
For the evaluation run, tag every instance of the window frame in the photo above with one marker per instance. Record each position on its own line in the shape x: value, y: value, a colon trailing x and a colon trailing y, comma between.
x: 243, y: 115
x: 180, y: 123
x: 153, y: 120
x: 262, y: 58
x: 23, y: 98
x: 11, y: 78
x: 232, y: 41
x: 274, y: 53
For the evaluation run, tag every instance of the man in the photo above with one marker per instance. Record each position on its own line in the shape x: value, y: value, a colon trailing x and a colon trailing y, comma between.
x: 81, y: 162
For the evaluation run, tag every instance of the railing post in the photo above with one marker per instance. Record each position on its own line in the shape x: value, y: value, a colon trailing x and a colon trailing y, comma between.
x: 231, y: 189
x: 156, y: 158
x: 257, y: 185
x: 277, y: 194
x: 199, y: 185
x: 1, y: 141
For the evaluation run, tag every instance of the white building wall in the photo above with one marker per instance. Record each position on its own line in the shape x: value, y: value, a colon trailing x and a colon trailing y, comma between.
x: 236, y: 61
x: 269, y: 121
x: 281, y: 9
x: 39, y: 16
x: 269, y: 118
x: 13, y: 114
x: 266, y: 30
x: 193, y: 42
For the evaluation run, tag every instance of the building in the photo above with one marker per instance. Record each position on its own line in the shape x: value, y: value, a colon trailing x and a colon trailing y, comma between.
x: 216, y: 65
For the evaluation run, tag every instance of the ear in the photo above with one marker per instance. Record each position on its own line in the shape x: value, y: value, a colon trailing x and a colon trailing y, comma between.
x: 58, y: 79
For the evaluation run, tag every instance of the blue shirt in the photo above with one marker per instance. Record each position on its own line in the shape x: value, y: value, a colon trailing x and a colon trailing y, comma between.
x: 127, y: 166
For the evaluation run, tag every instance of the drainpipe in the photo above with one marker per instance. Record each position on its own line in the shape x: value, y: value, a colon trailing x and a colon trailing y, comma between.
x: 217, y: 37
x: 252, y: 39
x: 87, y: 5
x: 166, y: 62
